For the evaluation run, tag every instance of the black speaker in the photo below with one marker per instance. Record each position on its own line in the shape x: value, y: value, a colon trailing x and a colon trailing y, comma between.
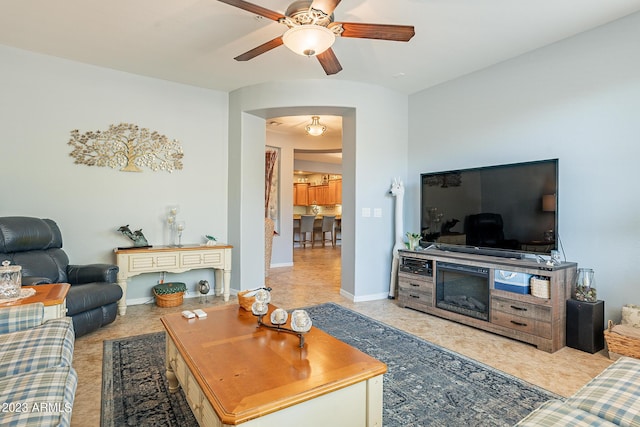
x: 585, y: 325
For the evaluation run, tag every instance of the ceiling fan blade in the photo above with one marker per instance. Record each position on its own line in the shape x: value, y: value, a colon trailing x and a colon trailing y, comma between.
x: 400, y: 33
x: 265, y: 47
x: 327, y: 6
x: 329, y: 62
x: 254, y: 8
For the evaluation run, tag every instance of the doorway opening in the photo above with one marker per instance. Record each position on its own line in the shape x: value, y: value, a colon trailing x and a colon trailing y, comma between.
x: 310, y: 183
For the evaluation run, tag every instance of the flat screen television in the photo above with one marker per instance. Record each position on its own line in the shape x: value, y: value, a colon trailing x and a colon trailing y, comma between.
x: 503, y: 210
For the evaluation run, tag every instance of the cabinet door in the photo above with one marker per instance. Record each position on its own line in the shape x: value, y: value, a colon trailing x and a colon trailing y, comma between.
x: 322, y: 194
x: 300, y: 194
x: 152, y: 262
x: 313, y: 196
x: 334, y: 196
x: 338, y: 191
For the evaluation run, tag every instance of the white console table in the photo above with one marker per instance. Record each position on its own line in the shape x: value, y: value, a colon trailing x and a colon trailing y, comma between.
x: 173, y: 259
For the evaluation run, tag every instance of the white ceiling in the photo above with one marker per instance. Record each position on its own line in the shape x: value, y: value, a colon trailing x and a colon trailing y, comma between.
x: 326, y: 148
x: 194, y: 41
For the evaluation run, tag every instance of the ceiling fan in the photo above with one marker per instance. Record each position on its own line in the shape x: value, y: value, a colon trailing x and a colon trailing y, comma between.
x: 312, y: 30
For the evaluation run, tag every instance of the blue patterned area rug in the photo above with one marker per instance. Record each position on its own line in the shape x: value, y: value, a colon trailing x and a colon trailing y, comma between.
x: 135, y: 391
x: 425, y: 385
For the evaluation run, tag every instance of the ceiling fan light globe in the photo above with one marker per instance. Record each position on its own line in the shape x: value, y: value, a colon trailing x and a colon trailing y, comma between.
x: 308, y: 40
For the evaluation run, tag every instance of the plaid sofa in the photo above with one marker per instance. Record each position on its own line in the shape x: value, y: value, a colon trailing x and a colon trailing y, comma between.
x: 610, y: 399
x: 37, y: 382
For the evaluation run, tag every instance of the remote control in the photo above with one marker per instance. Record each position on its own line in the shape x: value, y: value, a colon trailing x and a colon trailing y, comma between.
x: 188, y: 314
x: 200, y: 313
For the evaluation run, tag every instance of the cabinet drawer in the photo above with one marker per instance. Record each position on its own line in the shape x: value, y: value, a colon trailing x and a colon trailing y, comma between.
x: 212, y: 259
x: 202, y: 259
x: 194, y: 396
x: 415, y: 299
x: 522, y: 324
x: 209, y: 416
x: 521, y: 309
x: 152, y: 262
x: 175, y: 361
x: 416, y: 284
x: 191, y: 259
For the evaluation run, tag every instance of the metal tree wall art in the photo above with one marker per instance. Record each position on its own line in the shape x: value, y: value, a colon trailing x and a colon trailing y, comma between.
x: 128, y: 147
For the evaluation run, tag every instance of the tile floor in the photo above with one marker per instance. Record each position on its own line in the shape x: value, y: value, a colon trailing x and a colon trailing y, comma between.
x: 315, y: 279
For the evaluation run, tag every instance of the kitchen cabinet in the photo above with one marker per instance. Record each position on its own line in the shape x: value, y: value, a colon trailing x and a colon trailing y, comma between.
x: 305, y: 194
x: 313, y: 195
x: 335, y: 192
x: 301, y: 194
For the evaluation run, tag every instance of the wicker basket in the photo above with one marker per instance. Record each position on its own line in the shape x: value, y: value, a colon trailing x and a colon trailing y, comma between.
x: 621, y: 345
x: 169, y: 294
x: 169, y: 300
x: 540, y: 288
x: 245, y: 302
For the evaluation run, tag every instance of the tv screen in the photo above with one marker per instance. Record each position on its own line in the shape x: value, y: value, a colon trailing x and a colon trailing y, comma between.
x: 510, y: 207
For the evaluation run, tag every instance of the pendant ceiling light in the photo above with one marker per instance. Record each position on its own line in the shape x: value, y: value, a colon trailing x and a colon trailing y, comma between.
x: 315, y: 128
x: 309, y: 40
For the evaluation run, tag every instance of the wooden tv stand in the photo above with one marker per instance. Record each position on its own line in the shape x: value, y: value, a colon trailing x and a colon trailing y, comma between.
x: 524, y: 317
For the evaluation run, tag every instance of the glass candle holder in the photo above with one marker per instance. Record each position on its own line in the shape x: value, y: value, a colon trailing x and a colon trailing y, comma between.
x: 585, y: 287
x: 10, y: 280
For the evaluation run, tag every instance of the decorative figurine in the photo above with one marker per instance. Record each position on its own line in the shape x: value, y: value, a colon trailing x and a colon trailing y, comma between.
x: 204, y: 288
x: 139, y: 241
x: 397, y: 191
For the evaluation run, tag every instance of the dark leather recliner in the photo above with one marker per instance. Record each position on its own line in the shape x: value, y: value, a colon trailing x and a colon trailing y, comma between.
x: 36, y: 245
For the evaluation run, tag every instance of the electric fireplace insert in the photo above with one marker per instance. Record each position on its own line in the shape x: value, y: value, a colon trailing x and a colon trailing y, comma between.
x: 463, y: 289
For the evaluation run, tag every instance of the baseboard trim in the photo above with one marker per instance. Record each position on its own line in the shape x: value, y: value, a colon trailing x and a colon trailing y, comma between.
x: 282, y: 264
x: 362, y: 298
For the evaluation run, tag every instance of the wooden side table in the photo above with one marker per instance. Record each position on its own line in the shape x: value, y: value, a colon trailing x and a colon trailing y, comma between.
x: 53, y: 296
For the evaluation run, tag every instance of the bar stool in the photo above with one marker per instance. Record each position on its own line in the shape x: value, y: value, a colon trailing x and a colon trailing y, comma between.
x: 306, y: 226
x: 327, y: 226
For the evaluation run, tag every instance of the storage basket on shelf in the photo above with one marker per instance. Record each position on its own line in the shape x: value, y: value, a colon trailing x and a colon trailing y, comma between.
x: 540, y: 287
x: 169, y: 294
x: 621, y: 344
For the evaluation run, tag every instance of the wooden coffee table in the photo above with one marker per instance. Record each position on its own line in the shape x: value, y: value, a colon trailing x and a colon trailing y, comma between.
x: 53, y: 296
x: 235, y: 373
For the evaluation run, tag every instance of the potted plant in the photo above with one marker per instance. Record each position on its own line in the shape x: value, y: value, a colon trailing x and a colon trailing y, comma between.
x: 211, y: 241
x: 414, y: 240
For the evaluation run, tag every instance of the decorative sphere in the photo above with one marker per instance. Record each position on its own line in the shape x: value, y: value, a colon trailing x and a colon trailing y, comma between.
x: 263, y: 295
x: 259, y: 308
x: 279, y: 316
x: 300, y: 321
